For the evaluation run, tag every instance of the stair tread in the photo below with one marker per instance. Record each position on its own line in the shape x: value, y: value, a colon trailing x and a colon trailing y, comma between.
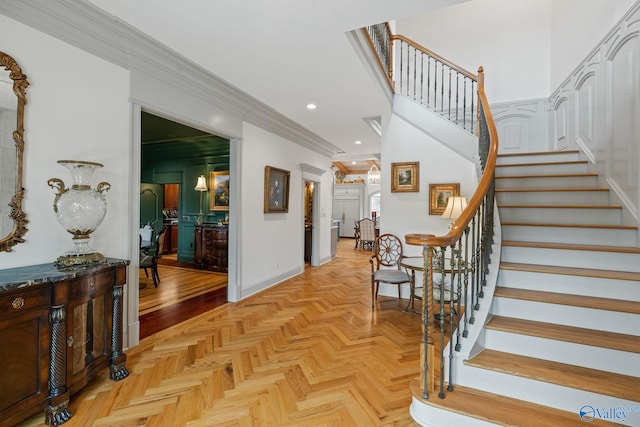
x: 565, y: 189
x: 587, y: 379
x: 615, y: 207
x: 573, y: 271
x: 567, y: 162
x: 538, y: 153
x: 554, y: 331
x: 569, y: 175
x: 572, y: 246
x: 503, y: 410
x: 544, y: 224
x: 597, y: 303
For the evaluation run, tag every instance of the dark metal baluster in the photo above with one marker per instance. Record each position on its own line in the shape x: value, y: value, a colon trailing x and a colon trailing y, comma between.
x: 457, y: 92
x: 426, y: 324
x: 435, y: 84
x: 465, y: 332
x: 458, y: 302
x: 442, y: 89
x: 464, y: 103
x: 401, y: 64
x: 443, y: 252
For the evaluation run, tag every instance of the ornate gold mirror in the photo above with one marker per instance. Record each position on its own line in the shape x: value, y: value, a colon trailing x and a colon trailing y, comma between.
x: 13, y: 86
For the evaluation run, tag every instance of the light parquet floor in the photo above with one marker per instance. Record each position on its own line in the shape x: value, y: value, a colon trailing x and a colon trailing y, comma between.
x: 307, y: 352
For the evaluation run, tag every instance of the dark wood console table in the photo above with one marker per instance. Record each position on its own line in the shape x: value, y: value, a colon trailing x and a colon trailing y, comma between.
x: 212, y: 243
x: 58, y: 328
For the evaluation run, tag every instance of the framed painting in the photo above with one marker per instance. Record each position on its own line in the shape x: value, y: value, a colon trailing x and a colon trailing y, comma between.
x: 439, y: 196
x: 405, y: 177
x: 276, y: 190
x: 219, y: 185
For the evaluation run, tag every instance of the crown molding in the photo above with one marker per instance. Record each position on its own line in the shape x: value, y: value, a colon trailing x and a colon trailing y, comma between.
x: 87, y: 27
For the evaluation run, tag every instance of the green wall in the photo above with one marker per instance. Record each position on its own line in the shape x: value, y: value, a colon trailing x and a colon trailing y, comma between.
x: 182, y: 162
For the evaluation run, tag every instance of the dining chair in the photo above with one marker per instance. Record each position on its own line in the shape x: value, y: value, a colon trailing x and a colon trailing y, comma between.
x: 149, y: 259
x: 367, y: 233
x: 385, y: 265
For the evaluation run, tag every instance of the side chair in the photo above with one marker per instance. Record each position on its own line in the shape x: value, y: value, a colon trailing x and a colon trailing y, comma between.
x: 149, y: 259
x: 385, y: 265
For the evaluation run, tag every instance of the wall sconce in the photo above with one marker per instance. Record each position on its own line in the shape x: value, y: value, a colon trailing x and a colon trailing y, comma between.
x: 455, y: 206
x: 373, y: 176
x: 201, y: 186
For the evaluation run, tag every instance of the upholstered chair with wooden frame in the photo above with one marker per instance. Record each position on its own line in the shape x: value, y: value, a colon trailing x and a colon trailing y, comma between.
x: 367, y: 233
x: 385, y: 265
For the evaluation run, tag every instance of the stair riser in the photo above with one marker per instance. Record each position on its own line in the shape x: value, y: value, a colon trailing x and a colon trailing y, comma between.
x: 572, y: 258
x: 552, y: 395
x: 432, y: 416
x: 574, y: 285
x: 563, y: 198
x: 580, y: 317
x: 582, y: 216
x: 550, y: 182
x: 581, y: 236
x: 620, y: 362
x: 539, y: 158
x: 542, y: 169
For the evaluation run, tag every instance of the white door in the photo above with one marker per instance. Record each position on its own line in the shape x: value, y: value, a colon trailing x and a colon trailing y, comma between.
x: 348, y: 212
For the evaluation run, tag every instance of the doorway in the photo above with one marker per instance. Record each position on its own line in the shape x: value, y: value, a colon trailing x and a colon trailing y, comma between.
x: 309, y: 190
x: 172, y: 156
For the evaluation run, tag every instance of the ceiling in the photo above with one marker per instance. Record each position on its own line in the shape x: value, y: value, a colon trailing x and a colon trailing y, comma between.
x: 285, y: 53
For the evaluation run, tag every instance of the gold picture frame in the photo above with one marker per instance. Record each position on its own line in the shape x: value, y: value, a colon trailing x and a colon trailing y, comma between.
x: 405, y: 177
x: 439, y: 196
x: 276, y: 190
x: 219, y: 187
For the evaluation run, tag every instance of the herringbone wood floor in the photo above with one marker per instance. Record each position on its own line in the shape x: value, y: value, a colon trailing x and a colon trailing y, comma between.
x: 307, y: 352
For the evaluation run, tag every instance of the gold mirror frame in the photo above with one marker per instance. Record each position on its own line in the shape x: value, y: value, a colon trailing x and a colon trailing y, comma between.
x: 18, y: 216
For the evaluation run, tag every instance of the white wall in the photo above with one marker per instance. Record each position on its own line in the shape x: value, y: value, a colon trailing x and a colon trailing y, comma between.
x: 510, y: 39
x: 405, y: 213
x: 77, y: 109
x: 273, y: 243
x: 577, y: 26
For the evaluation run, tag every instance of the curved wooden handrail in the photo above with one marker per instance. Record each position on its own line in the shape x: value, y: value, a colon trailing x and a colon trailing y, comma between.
x: 473, y: 205
x: 435, y: 55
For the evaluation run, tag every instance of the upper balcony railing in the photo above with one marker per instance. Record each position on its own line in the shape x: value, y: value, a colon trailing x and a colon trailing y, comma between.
x: 460, y: 258
x: 426, y: 77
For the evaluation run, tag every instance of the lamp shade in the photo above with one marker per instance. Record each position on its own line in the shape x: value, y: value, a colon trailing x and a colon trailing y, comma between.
x: 202, y: 184
x: 455, y: 206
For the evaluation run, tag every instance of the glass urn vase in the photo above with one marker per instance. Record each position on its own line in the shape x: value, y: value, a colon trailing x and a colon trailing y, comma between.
x: 80, y: 210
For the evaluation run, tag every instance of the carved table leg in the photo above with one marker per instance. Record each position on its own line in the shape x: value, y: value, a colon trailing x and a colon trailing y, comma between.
x: 117, y: 370
x: 57, y: 411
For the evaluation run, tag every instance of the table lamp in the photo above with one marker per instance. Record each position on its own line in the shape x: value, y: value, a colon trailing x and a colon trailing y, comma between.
x: 201, y: 186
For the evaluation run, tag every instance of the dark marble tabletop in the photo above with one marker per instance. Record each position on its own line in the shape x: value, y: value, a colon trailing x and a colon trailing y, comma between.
x: 20, y: 277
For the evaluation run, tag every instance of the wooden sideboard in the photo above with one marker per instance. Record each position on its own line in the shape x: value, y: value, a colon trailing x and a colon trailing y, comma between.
x: 211, y: 249
x: 58, y: 328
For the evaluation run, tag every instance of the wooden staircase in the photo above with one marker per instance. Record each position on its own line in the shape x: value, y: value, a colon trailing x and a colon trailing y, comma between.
x: 563, y: 335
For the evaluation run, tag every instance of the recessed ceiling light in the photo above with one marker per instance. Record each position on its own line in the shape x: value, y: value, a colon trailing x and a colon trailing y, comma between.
x: 353, y: 163
x: 358, y: 142
x: 311, y: 106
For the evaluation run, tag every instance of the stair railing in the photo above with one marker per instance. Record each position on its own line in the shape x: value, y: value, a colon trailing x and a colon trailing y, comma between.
x: 461, y: 258
x: 424, y: 76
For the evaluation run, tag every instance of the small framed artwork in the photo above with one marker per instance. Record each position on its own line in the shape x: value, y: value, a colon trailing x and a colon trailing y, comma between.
x: 405, y: 177
x: 276, y: 190
x: 219, y: 185
x: 439, y: 196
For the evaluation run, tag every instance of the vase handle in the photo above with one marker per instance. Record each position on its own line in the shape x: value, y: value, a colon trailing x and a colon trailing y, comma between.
x: 59, y: 184
x: 103, y: 186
